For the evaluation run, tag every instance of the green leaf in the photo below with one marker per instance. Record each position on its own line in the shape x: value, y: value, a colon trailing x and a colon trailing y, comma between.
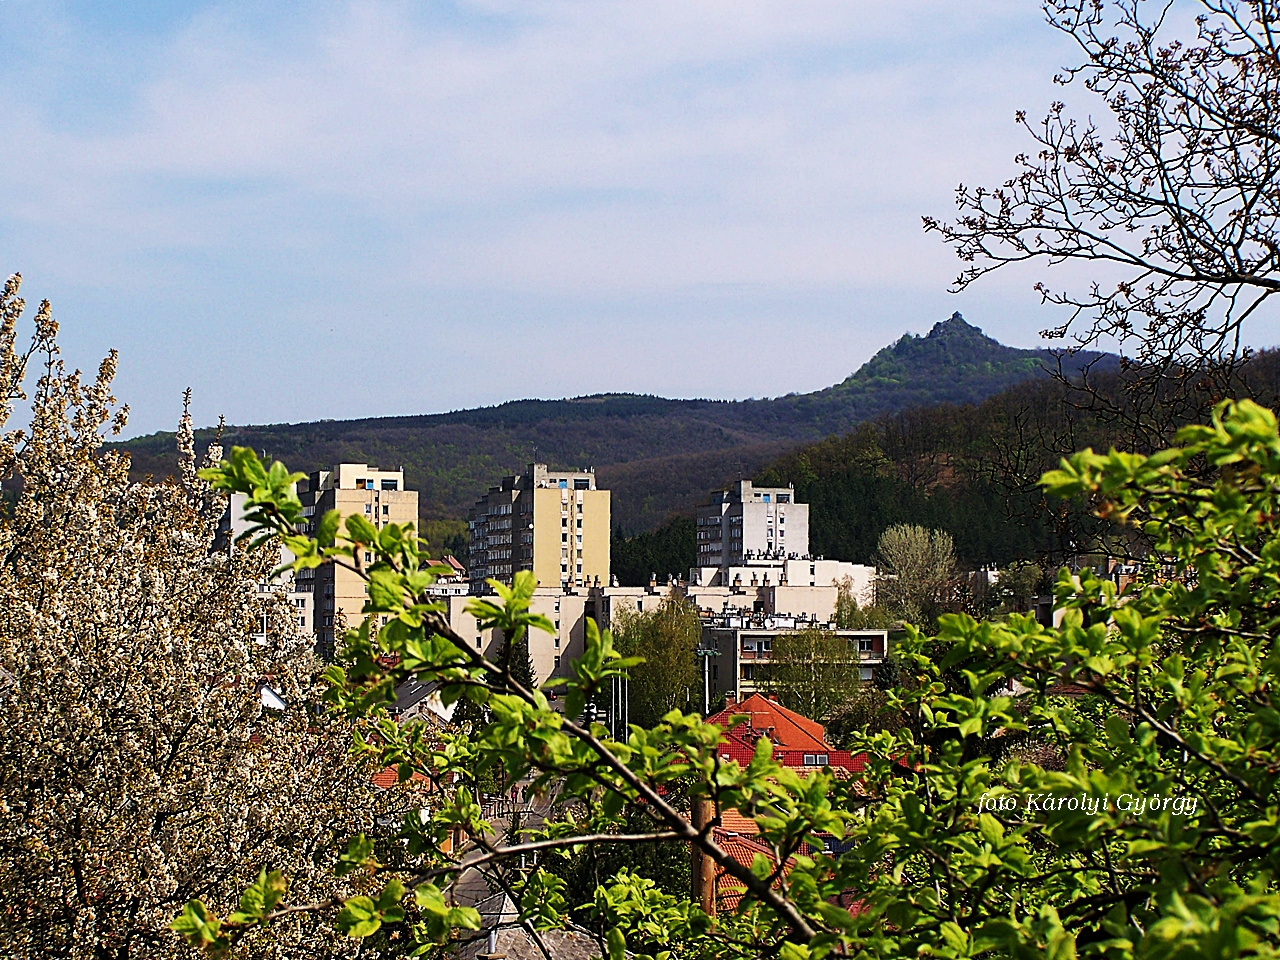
x: 361, y: 530
x: 385, y: 591
x: 359, y: 918
x: 327, y: 528
x: 198, y: 926
x: 358, y: 855
x: 617, y: 944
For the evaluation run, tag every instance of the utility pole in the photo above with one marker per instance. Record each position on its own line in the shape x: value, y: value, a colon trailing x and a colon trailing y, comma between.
x: 704, y: 868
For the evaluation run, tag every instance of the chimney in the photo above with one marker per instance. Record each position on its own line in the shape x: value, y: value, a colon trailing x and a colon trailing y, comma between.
x: 493, y: 953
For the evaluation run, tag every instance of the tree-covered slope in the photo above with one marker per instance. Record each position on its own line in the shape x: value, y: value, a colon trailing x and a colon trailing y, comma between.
x: 659, y: 456
x: 969, y: 469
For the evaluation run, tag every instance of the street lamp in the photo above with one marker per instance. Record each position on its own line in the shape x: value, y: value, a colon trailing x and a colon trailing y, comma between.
x: 706, y: 653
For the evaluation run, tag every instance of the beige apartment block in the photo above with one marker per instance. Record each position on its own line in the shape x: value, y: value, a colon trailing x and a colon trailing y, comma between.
x: 551, y: 653
x: 350, y: 488
x: 553, y: 522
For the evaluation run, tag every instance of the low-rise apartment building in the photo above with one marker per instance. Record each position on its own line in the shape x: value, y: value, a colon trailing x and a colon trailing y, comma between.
x: 736, y: 649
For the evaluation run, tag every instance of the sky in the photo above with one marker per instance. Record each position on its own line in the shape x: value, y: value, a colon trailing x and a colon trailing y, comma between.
x: 337, y: 210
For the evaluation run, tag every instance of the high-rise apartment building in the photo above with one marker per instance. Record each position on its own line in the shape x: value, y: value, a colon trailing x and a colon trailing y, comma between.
x: 234, y: 524
x: 350, y: 488
x: 747, y: 522
x: 553, y: 522
x: 753, y: 538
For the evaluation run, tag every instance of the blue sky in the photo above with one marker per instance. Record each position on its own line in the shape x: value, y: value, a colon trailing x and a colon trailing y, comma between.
x: 359, y: 209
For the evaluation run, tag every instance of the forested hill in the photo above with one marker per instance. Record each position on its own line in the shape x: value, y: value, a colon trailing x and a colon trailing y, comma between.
x: 968, y: 469
x: 658, y: 456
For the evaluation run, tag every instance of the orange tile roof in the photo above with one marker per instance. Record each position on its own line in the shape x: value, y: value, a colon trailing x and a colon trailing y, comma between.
x: 388, y: 777
x: 734, y: 822
x: 790, y: 730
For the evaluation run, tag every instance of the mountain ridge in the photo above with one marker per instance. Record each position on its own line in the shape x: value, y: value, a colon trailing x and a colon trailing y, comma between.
x: 659, y: 455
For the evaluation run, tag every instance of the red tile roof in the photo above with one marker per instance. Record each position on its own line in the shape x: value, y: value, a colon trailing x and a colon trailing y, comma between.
x: 786, y: 728
x: 388, y: 777
x: 734, y: 822
x: 730, y: 890
x: 798, y: 742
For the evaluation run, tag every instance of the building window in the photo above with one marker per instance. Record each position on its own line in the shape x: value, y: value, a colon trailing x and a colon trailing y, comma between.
x: 390, y: 484
x: 564, y: 520
x: 386, y: 510
x: 766, y: 498
x: 477, y: 643
x: 302, y: 621
x: 564, y: 484
x: 581, y: 483
x: 368, y: 509
x: 564, y: 538
x: 557, y: 663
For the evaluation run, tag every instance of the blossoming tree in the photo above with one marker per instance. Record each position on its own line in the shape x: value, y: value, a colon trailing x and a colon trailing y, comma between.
x: 138, y: 768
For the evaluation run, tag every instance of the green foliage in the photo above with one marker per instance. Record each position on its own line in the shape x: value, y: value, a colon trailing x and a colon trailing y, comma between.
x: 1017, y: 584
x: 917, y: 567
x: 670, y: 550
x: 814, y: 672
x: 849, y: 616
x: 446, y: 537
x: 583, y: 871
x: 951, y: 848
x: 665, y: 640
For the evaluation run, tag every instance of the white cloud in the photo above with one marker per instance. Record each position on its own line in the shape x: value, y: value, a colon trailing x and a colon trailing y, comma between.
x: 256, y: 167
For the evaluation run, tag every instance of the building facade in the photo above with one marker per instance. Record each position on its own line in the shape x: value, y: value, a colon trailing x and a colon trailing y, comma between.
x: 736, y: 649
x: 750, y: 522
x: 233, y: 525
x: 754, y: 541
x: 338, y: 594
x: 555, y: 523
